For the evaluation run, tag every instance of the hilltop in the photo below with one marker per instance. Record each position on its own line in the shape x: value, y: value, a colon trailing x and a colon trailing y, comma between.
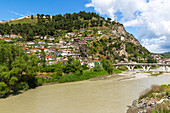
x: 94, y: 36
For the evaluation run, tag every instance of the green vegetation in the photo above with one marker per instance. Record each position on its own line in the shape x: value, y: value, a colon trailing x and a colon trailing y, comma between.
x: 166, y: 55
x: 43, y: 25
x: 86, y: 75
x: 72, y: 70
x: 139, y: 54
x: 17, y: 70
x: 157, y: 93
x: 156, y: 74
x: 24, y: 21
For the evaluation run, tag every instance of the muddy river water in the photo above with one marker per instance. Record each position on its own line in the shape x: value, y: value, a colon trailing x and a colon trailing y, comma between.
x: 101, y: 96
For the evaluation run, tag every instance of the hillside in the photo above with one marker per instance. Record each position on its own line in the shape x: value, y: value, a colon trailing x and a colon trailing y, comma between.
x: 97, y: 37
x: 166, y: 55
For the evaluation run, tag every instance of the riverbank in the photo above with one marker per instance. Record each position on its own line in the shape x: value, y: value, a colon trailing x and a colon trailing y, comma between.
x: 102, y: 75
x: 153, y: 100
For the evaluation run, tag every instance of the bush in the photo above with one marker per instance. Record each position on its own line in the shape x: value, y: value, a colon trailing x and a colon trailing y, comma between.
x: 97, y: 67
x: 4, y: 89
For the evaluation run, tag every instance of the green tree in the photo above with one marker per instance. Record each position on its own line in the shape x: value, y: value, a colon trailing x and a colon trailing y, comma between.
x: 17, y: 68
x: 107, y: 65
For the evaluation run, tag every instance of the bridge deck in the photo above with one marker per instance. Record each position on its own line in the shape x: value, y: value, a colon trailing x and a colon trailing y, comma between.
x: 142, y: 64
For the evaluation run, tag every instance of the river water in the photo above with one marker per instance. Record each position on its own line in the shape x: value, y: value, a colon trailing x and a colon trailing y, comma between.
x: 102, y: 96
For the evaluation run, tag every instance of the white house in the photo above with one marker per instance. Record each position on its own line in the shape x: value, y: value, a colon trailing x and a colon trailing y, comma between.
x: 7, y: 39
x: 13, y: 36
x: 70, y: 34
x: 30, y: 43
x: 50, y: 43
x: 48, y: 58
x: 45, y: 37
x: 167, y: 61
x: 99, y: 32
x: 92, y: 64
x: 35, y: 50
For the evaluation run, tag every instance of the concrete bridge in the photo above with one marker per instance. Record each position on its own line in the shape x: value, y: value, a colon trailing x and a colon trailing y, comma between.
x: 145, y: 66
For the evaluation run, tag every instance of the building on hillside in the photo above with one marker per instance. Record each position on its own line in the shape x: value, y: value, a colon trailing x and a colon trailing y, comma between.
x: 48, y: 58
x: 30, y: 43
x: 92, y: 64
x: 7, y: 39
x: 51, y: 38
x: 70, y: 34
x: 50, y: 43
x: 6, y: 35
x: 64, y: 60
x: 41, y: 42
x: 99, y: 32
x: 88, y: 38
x: 13, y: 36
x: 34, y: 50
x: 167, y: 61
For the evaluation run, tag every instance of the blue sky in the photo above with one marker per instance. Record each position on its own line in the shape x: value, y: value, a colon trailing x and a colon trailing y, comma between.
x: 52, y: 7
x: 147, y: 20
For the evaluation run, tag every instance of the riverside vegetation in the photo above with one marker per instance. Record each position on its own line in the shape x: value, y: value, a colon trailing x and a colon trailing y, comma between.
x: 18, y: 70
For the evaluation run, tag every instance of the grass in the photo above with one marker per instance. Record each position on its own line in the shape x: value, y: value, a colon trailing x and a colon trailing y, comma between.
x: 24, y: 20
x: 156, y: 74
x: 155, y: 89
x: 73, y: 77
x: 86, y: 75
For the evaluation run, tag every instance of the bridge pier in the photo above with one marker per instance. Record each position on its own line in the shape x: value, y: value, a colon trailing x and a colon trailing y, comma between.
x: 148, y: 68
x: 144, y: 68
x: 130, y: 68
x: 168, y: 69
x: 163, y: 68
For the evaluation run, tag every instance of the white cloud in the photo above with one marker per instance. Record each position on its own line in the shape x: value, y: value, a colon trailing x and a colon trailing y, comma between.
x: 152, y: 18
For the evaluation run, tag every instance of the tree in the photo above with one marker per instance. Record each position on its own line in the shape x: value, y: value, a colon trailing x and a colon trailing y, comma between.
x: 17, y: 69
x: 107, y: 65
x: 4, y: 89
x: 73, y: 66
x: 32, y: 17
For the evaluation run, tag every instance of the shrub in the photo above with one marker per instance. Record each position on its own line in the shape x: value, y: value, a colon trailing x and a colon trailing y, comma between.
x: 4, y: 89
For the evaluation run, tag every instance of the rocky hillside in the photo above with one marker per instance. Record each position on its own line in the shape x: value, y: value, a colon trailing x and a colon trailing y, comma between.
x: 119, y: 45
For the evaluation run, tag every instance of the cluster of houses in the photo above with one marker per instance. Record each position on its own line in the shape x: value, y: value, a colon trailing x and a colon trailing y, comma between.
x: 161, y: 60
x: 54, y: 51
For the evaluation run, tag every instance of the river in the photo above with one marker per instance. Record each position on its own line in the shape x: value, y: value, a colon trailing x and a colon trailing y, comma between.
x: 102, y: 96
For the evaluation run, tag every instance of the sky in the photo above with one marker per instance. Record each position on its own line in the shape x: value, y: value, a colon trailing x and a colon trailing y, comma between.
x: 147, y: 20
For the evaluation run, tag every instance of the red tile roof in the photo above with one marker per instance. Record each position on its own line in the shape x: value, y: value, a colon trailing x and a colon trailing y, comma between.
x: 96, y: 61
